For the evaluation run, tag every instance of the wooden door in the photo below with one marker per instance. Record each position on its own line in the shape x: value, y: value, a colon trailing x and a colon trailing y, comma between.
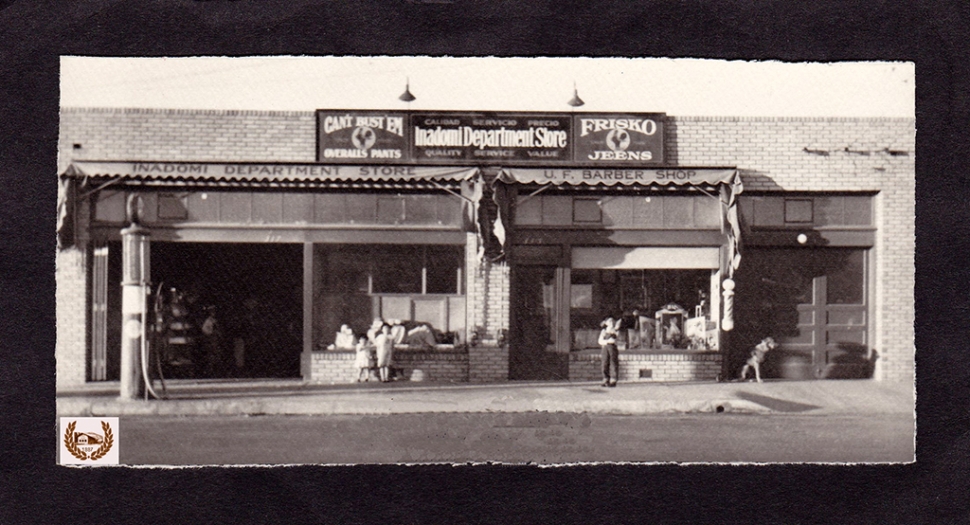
x: 538, y: 350
x: 813, y: 302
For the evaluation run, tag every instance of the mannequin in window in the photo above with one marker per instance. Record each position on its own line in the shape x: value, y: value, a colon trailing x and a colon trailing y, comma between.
x: 673, y: 332
x: 647, y: 329
x: 344, y: 339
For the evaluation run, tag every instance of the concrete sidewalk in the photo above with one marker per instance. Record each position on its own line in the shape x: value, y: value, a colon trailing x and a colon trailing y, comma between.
x: 293, y: 397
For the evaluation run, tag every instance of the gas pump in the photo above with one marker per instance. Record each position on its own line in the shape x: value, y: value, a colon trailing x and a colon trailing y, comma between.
x: 134, y: 302
x: 153, y: 352
x: 135, y: 381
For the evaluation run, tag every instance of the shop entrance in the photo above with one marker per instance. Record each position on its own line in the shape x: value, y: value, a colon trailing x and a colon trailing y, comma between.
x: 537, y: 349
x: 814, y: 302
x: 254, y: 292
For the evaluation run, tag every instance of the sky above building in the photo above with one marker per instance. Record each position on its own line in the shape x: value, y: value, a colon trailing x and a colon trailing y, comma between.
x: 680, y: 87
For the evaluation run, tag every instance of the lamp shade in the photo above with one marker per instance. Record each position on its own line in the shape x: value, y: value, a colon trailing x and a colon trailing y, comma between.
x: 575, y: 101
x: 407, y: 96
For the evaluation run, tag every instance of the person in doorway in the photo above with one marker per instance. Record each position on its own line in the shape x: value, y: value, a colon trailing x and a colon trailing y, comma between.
x: 212, y: 342
x: 247, y: 334
x: 385, y: 352
x: 610, y: 355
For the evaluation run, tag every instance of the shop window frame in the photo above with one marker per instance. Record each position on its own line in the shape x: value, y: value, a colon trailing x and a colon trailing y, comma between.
x: 793, y: 215
x: 581, y: 202
x: 182, y: 199
x: 371, y: 269
x: 829, y: 210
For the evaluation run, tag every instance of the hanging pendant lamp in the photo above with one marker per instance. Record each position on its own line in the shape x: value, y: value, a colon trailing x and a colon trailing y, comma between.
x: 575, y: 101
x: 407, y: 96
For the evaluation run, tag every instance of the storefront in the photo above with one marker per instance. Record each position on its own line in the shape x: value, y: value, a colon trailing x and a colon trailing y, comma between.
x: 279, y: 256
x: 648, y: 246
x: 509, y: 236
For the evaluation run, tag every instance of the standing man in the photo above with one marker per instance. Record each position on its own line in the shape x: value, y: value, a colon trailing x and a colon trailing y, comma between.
x: 609, y: 355
x: 212, y: 343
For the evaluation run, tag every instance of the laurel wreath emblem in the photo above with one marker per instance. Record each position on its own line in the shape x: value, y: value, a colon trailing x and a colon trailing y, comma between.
x: 80, y: 454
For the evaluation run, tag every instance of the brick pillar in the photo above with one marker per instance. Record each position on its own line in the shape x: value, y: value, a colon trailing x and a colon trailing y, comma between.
x: 487, y: 296
x: 70, y: 350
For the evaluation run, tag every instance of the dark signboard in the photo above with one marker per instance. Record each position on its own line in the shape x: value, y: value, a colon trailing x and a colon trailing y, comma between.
x: 478, y: 138
x: 619, y: 140
x: 346, y: 137
x: 490, y: 138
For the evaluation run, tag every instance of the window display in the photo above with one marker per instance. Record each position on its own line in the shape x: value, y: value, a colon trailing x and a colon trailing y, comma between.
x: 656, y: 309
x: 412, y: 284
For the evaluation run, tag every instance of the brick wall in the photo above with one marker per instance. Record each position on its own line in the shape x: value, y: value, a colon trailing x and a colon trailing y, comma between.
x: 773, y: 154
x: 332, y: 367
x: 439, y: 366
x: 661, y: 367
x: 488, y: 363
x: 70, y: 350
x: 186, y: 135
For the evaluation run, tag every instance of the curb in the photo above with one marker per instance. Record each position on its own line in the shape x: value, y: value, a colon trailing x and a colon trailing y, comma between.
x: 257, y: 407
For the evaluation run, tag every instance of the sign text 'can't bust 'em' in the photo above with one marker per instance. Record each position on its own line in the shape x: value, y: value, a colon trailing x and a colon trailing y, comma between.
x: 490, y: 138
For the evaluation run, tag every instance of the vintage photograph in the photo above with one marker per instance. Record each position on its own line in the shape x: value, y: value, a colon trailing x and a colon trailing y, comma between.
x: 291, y: 260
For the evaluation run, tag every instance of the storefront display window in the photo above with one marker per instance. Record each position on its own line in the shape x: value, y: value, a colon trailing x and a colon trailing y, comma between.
x: 412, y: 284
x: 396, y: 269
x: 636, y: 296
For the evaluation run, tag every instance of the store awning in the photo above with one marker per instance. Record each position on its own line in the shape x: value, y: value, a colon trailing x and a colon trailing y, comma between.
x: 727, y: 182
x: 83, y: 178
x: 619, y: 176
x: 165, y: 173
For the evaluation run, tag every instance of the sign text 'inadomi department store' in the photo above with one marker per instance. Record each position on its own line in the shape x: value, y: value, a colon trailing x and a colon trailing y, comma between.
x: 467, y: 138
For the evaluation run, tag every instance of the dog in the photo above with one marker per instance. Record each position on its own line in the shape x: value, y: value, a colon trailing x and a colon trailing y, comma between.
x: 757, y: 357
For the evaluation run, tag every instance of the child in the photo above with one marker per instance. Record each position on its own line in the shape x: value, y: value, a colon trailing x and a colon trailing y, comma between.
x: 385, y: 352
x: 364, y: 361
x: 757, y: 357
x: 610, y: 355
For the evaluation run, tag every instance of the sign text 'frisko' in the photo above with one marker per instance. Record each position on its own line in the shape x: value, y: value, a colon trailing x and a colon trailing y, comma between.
x: 476, y: 138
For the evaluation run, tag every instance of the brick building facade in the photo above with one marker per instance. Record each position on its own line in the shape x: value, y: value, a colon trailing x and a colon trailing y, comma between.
x: 800, y: 175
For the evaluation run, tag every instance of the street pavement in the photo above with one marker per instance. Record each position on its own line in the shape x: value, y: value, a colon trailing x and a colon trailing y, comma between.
x: 295, y: 397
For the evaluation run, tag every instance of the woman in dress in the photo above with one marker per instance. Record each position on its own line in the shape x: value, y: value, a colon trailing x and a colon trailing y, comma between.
x: 385, y: 352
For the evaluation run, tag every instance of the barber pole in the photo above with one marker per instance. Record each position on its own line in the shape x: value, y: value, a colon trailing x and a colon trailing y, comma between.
x: 727, y: 322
